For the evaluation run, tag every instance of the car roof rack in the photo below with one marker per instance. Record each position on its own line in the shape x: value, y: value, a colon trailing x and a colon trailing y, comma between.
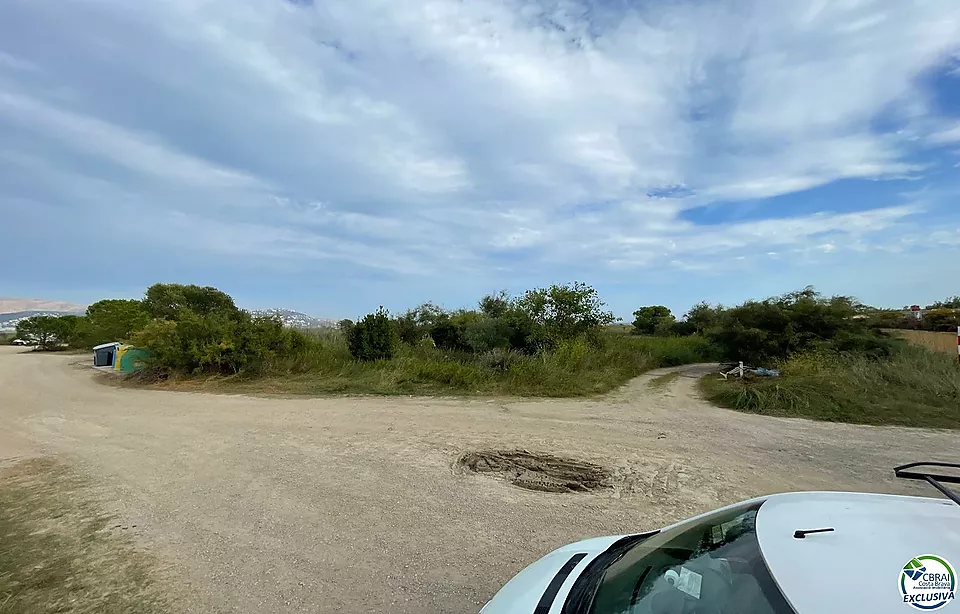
x: 934, y: 479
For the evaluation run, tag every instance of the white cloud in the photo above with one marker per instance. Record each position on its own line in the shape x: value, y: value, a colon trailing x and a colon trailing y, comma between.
x: 946, y: 135
x: 441, y: 134
x: 138, y: 152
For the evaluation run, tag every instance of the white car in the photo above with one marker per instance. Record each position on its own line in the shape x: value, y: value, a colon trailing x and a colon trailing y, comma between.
x: 796, y: 553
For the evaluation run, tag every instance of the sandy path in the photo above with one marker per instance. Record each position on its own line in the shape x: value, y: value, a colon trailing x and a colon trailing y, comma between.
x: 352, y: 505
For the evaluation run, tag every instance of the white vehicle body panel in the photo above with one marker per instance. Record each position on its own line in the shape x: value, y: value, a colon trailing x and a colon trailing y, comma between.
x: 854, y: 568
x: 523, y: 592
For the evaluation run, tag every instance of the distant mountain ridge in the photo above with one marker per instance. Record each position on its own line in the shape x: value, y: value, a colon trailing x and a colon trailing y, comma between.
x: 36, y: 307
x: 10, y: 305
x: 9, y: 321
x: 295, y: 319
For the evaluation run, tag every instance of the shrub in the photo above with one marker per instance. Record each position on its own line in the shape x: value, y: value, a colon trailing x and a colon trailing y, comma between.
x: 562, y: 312
x: 942, y: 319
x: 776, y: 328
x: 487, y: 333
x: 374, y: 337
x: 702, y: 317
x: 653, y: 319
x: 214, y: 343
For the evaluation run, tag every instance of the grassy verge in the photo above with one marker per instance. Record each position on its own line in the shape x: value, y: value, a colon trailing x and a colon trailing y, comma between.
x: 915, y: 387
x: 55, y: 554
x: 576, y: 368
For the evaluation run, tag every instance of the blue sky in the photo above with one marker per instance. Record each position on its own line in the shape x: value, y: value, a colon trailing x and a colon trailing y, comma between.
x: 332, y: 156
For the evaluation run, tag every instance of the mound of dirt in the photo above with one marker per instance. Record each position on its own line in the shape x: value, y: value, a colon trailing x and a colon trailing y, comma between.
x: 541, y: 472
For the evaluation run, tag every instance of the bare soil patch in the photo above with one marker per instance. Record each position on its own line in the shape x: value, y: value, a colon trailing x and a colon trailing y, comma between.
x: 542, y: 472
x: 350, y: 504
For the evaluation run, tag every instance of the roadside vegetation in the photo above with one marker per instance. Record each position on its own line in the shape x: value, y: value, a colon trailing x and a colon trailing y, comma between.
x: 57, y: 553
x: 836, y: 360
x: 547, y: 342
x: 911, y: 387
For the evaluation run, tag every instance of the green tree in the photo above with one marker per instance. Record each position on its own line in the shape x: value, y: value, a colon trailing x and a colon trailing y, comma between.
x: 702, y: 316
x: 374, y: 337
x: 110, y: 320
x: 652, y: 319
x: 563, y: 312
x: 778, y: 327
x: 47, y: 332
x: 167, y: 301
x: 496, y: 305
x: 418, y: 322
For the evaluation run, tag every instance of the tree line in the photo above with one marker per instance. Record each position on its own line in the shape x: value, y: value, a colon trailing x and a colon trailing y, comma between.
x: 199, y: 329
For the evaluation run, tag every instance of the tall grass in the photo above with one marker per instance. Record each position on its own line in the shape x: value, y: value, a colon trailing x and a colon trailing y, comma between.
x: 940, y: 342
x: 576, y: 367
x: 913, y: 387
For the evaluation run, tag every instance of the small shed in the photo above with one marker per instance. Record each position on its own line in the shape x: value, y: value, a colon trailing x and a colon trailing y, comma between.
x: 105, y: 354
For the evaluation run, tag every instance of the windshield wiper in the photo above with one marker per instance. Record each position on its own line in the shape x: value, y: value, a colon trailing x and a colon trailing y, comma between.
x: 801, y: 533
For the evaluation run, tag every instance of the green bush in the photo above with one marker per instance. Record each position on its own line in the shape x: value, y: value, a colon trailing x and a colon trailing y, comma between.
x: 485, y: 334
x: 561, y: 312
x: 214, y: 343
x: 374, y: 337
x: 652, y: 320
x: 765, y: 331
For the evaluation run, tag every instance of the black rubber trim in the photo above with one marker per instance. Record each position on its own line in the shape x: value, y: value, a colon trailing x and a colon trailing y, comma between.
x: 580, y: 598
x: 546, y: 600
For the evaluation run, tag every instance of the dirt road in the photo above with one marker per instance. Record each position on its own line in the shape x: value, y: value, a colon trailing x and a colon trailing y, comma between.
x: 354, y: 505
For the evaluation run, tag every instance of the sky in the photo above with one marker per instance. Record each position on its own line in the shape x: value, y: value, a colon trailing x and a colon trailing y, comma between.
x: 332, y: 156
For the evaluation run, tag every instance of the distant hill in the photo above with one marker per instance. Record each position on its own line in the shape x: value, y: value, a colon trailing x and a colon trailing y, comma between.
x: 9, y: 321
x: 12, y: 310
x: 295, y: 319
x: 16, y: 305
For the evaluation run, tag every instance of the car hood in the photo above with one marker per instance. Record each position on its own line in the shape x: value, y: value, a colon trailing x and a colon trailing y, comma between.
x: 522, y: 594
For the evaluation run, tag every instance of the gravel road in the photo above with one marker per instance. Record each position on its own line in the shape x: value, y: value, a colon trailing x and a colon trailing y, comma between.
x: 355, y: 504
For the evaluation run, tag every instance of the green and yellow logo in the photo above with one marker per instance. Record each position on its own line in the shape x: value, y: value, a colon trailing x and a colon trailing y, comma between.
x: 928, y: 582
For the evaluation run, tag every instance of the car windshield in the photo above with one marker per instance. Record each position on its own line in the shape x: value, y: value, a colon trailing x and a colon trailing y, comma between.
x: 709, y: 566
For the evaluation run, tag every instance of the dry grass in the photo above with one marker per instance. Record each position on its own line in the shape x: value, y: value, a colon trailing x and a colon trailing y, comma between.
x: 914, y: 387
x: 939, y: 342
x: 56, y: 554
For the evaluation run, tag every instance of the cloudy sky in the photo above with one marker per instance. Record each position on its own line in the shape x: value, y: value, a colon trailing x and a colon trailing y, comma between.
x: 333, y: 155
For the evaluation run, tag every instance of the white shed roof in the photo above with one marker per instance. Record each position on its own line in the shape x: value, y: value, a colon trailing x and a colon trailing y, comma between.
x: 102, y: 346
